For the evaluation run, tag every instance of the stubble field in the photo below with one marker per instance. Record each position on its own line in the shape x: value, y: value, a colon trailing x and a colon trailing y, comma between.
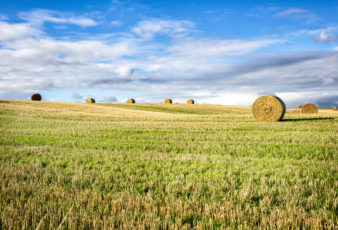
x: 156, y: 166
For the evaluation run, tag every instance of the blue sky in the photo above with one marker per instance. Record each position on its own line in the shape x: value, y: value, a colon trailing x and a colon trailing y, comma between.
x: 217, y: 52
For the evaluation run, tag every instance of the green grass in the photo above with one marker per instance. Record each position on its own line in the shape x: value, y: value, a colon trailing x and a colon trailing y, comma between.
x: 157, y: 166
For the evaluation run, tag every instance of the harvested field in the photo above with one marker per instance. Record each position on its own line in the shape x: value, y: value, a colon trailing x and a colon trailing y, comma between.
x: 154, y: 166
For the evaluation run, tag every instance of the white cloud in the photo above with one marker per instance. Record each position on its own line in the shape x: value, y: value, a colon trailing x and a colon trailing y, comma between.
x: 325, y: 37
x: 40, y: 16
x: 298, y: 14
x: 291, y: 11
x: 149, y: 28
x: 116, y: 23
x: 16, y: 31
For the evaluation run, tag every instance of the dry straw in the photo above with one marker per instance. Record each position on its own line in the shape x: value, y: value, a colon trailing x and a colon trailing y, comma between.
x: 190, y: 101
x: 268, y: 108
x: 36, y: 97
x: 130, y: 101
x: 90, y: 100
x: 299, y: 107
x: 168, y: 101
x: 309, y: 108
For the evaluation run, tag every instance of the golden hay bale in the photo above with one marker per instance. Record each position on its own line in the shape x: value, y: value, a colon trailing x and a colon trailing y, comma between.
x: 130, y: 101
x: 268, y: 108
x: 168, y: 101
x: 334, y: 108
x: 90, y: 100
x: 36, y: 97
x: 299, y: 107
x: 309, y: 108
x: 190, y: 101
x: 296, y: 111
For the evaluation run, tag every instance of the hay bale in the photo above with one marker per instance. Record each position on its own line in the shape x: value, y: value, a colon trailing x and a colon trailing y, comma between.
x: 268, y: 108
x: 131, y: 101
x: 299, y: 107
x: 190, y: 101
x: 296, y: 111
x: 36, y: 97
x: 309, y: 108
x: 90, y: 100
x: 168, y: 101
x: 334, y: 108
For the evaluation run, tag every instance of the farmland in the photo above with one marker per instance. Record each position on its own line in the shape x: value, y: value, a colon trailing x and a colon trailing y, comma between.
x: 162, y: 166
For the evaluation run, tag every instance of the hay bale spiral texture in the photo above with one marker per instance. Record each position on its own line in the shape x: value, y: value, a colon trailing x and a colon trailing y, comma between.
x: 309, y: 108
x: 36, y: 97
x: 190, y: 101
x: 90, y: 100
x: 131, y: 101
x: 168, y: 101
x: 268, y: 108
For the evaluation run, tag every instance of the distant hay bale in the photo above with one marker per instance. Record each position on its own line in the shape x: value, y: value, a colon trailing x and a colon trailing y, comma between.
x: 268, y: 108
x: 334, y: 108
x: 131, y: 101
x: 299, y: 107
x: 296, y: 111
x: 190, y: 101
x: 90, y: 100
x: 309, y: 108
x: 36, y: 97
x: 168, y: 101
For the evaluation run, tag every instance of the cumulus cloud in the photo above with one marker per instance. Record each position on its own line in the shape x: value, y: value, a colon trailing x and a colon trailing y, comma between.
x: 326, y: 37
x: 151, y: 27
x: 39, y: 16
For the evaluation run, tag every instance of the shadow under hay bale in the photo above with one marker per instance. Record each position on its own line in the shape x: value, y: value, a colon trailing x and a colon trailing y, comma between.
x: 268, y: 108
x: 168, y: 101
x: 131, y: 101
x: 36, y: 97
x: 309, y: 108
x: 190, y: 101
x: 90, y: 100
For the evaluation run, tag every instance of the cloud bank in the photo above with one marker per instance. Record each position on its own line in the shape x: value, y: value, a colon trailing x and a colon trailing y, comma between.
x: 214, y: 71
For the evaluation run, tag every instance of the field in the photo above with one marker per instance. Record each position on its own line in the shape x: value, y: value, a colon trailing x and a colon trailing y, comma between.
x: 156, y: 166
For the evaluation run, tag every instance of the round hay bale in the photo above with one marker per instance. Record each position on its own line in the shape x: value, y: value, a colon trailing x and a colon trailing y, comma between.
x: 309, y: 108
x: 90, y: 100
x: 299, y: 107
x: 190, y: 101
x: 296, y: 111
x: 335, y: 108
x: 131, y: 101
x: 36, y: 97
x: 168, y: 101
x: 268, y: 108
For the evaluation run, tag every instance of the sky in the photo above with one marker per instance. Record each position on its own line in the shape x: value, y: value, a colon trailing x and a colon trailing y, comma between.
x: 215, y: 52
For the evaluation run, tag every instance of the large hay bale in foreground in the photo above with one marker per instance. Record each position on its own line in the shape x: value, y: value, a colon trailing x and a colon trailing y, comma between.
x: 168, y: 101
x: 190, y: 101
x: 90, y: 100
x: 299, y: 107
x: 36, y: 97
x: 268, y: 108
x: 334, y: 108
x: 309, y: 108
x: 131, y: 101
